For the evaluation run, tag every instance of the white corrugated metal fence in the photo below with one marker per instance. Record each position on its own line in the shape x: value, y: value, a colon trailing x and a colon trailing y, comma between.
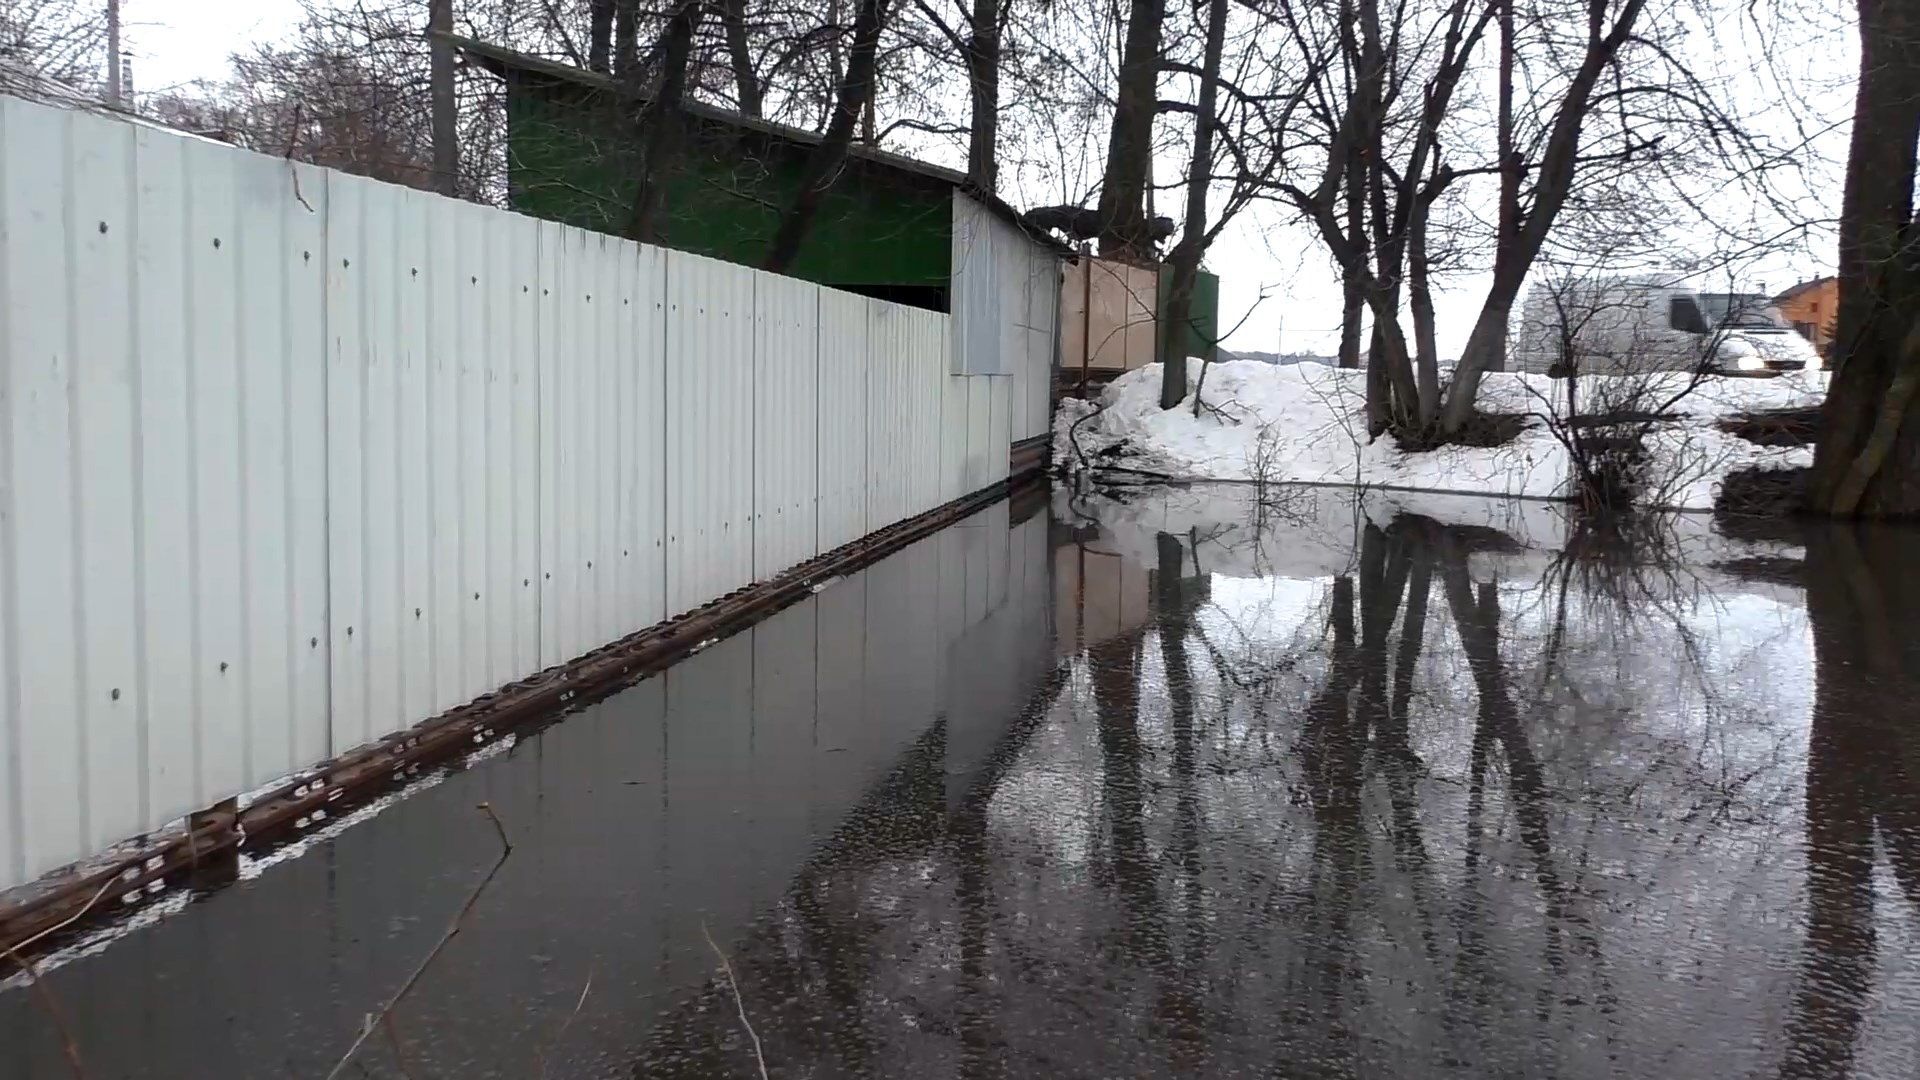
x: 291, y: 459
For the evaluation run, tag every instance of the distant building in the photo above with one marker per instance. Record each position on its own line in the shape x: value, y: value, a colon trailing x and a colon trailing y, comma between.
x: 1810, y: 307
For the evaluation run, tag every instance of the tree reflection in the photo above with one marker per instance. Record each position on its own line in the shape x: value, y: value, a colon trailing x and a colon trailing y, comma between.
x: 1863, y: 779
x: 1370, y: 818
x: 1180, y: 1009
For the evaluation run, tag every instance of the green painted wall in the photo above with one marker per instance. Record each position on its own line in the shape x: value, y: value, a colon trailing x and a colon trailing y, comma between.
x: 1203, y: 317
x: 570, y: 160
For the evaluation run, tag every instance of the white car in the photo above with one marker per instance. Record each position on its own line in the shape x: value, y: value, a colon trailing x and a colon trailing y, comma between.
x: 1631, y: 325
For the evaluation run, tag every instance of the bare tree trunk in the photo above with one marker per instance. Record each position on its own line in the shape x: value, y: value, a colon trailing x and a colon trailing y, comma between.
x: 1353, y: 299
x: 1874, y: 365
x: 856, y: 89
x: 1559, y: 164
x: 869, y: 122
x: 1193, y: 239
x: 1392, y: 395
x: 1123, y: 190
x: 600, y: 35
x: 662, y: 118
x: 836, y: 63
x: 1426, y: 350
x: 733, y: 15
x: 983, y: 78
x: 626, y: 38
x: 446, y: 135
x: 1352, y: 311
x: 1379, y: 393
x: 1508, y: 222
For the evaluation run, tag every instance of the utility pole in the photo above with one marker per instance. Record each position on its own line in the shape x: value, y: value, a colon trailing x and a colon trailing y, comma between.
x: 446, y: 146
x: 113, y: 53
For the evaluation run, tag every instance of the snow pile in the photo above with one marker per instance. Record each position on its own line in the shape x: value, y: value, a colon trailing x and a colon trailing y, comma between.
x: 1307, y: 424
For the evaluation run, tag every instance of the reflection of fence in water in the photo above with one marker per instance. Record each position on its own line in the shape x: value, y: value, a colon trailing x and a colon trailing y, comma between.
x: 1099, y: 595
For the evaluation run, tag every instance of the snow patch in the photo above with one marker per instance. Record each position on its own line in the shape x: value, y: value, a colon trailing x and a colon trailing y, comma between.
x: 1306, y: 423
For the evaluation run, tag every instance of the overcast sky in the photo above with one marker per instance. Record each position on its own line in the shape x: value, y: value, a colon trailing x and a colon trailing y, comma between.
x: 178, y: 41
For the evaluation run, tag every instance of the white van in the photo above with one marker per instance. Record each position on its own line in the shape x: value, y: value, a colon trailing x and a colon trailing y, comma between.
x: 1631, y: 325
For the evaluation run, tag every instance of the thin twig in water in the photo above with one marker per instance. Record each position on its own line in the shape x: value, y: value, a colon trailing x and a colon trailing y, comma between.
x: 758, y: 1057
x: 459, y: 920
x: 52, y: 1005
x: 541, y: 1058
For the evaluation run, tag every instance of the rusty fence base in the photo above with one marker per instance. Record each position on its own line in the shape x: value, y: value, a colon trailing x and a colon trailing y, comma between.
x: 205, y: 852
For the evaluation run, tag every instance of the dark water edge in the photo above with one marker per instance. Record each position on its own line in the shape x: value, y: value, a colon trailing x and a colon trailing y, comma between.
x: 1190, y: 783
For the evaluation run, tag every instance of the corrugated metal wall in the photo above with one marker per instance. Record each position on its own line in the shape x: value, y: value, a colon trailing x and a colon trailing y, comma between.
x: 786, y: 444
x: 162, y: 484
x: 1006, y: 317
x: 710, y: 341
x: 601, y: 398
x: 432, y: 436
x: 844, y: 333
x: 290, y: 459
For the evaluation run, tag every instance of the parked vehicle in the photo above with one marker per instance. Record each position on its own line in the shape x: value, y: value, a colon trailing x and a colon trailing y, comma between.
x: 1632, y: 325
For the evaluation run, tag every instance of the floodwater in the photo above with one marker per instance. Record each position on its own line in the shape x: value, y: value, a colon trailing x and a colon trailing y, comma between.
x: 1188, y: 784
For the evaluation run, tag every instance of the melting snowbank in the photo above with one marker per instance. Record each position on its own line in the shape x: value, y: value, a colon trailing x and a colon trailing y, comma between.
x: 1306, y: 423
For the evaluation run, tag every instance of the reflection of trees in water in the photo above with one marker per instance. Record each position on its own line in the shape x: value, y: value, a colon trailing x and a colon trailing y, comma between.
x: 1350, y: 880
x: 1180, y: 1009
x: 1863, y: 780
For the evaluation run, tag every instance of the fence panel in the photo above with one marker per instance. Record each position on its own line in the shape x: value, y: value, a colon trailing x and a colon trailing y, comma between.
x: 640, y: 446
x: 786, y: 474
x: 926, y: 358
x: 152, y: 494
x: 709, y: 442
x: 954, y: 391
x: 48, y: 720
x: 999, y: 430
x: 979, y: 426
x: 526, y: 425
x: 889, y: 435
x: 842, y: 409
x: 166, y: 698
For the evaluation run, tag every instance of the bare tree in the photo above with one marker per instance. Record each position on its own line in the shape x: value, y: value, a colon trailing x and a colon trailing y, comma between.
x: 973, y: 35
x: 823, y: 163
x: 663, y: 117
x: 61, y: 40
x: 1186, y: 254
x: 748, y: 94
x: 1609, y: 27
x: 1582, y: 117
x: 1248, y: 86
x: 600, y: 40
x: 1123, y: 192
